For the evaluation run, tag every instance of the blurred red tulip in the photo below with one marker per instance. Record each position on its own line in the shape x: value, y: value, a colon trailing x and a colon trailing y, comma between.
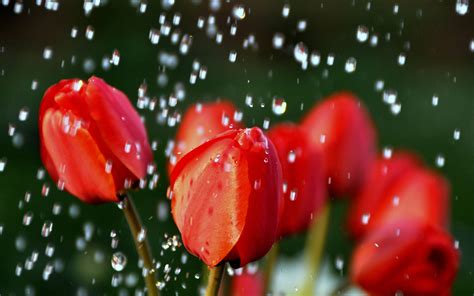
x: 226, y: 196
x: 200, y: 123
x: 92, y: 141
x: 407, y: 256
x: 304, y: 184
x: 247, y: 284
x: 419, y: 194
x: 383, y: 174
x: 342, y: 129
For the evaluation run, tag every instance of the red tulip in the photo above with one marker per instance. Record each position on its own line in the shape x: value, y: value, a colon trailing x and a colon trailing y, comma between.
x: 407, y: 256
x: 304, y: 188
x: 226, y: 197
x: 383, y: 174
x: 247, y: 284
x: 421, y: 194
x: 93, y: 142
x: 342, y: 129
x: 202, y: 122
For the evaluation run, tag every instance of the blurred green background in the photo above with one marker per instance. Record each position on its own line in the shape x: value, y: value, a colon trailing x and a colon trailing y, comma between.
x: 435, y: 39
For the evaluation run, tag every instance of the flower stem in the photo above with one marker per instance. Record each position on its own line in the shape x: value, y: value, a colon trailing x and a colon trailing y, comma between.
x: 215, y: 276
x: 142, y: 245
x: 270, y: 263
x: 314, y: 249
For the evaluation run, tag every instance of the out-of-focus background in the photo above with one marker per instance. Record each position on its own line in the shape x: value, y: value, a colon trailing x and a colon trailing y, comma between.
x: 411, y: 63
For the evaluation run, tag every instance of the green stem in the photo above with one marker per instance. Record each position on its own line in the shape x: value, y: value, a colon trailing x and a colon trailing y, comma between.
x: 142, y: 246
x: 269, y: 267
x: 314, y: 249
x: 215, y: 276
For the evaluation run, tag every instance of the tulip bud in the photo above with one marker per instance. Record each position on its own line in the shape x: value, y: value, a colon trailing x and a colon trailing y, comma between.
x: 304, y: 186
x: 406, y: 257
x: 226, y: 197
x: 383, y: 173
x: 341, y: 128
x: 200, y: 123
x: 93, y: 142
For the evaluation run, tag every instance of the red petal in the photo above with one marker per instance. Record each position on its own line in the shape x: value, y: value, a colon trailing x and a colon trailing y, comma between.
x: 383, y: 174
x: 303, y: 175
x: 248, y: 285
x: 410, y: 256
x: 341, y: 127
x: 77, y: 160
x: 119, y: 125
x: 200, y: 123
x: 420, y: 194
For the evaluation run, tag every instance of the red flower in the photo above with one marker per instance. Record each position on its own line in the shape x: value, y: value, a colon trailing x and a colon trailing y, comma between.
x: 304, y: 185
x: 383, y: 174
x: 342, y: 129
x: 407, y: 256
x: 419, y: 194
x: 226, y: 197
x: 92, y: 141
x: 247, y: 284
x: 202, y: 122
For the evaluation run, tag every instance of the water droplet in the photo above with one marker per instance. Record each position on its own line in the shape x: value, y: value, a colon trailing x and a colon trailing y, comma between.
x: 232, y: 56
x: 396, y: 108
x: 379, y: 85
x: 330, y: 59
x: 390, y: 96
x: 119, y: 261
x: 47, y: 53
x: 90, y: 32
x: 141, y: 236
x: 279, y: 106
x: 115, y: 60
x: 456, y: 134
x: 238, y: 12
x: 27, y: 218
x: 49, y: 251
x: 362, y: 33
x: 440, y: 160
x: 365, y: 219
x: 286, y: 10
x: 462, y: 7
x: 47, y: 229
x: 300, y: 52
x: 315, y: 58
x: 435, y: 100
x: 402, y: 59
x: 471, y: 45
x: 3, y: 163
x: 293, y: 194
x: 301, y: 26
x: 278, y: 40
x: 154, y: 36
x: 351, y: 65
x: 23, y: 114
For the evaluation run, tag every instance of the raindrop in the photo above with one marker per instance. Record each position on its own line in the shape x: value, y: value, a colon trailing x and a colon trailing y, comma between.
x: 278, y: 40
x: 232, y: 56
x: 23, y: 115
x: 351, y: 64
x: 74, y: 32
x: 435, y: 100
x: 365, y: 219
x: 362, y: 33
x: 300, y: 52
x: 141, y: 235
x: 293, y: 194
x: 49, y: 251
x: 47, y: 53
x: 390, y: 96
x: 402, y: 59
x: 374, y: 40
x: 301, y: 26
x: 3, y: 163
x: 47, y: 229
x: 330, y: 59
x: 471, y: 45
x: 115, y: 60
x: 462, y: 7
x: 440, y: 160
x: 154, y: 36
x: 279, y: 106
x: 456, y: 134
x: 48, y: 270
x: 238, y: 12
x: 396, y: 108
x: 27, y: 218
x: 119, y: 261
x: 286, y: 10
x: 89, y: 32
x: 315, y: 58
x: 379, y: 85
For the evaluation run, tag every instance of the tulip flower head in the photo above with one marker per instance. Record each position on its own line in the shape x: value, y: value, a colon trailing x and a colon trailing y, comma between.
x: 225, y: 197
x: 383, y: 174
x: 93, y: 142
x: 304, y: 185
x: 202, y: 122
x: 341, y: 128
x: 407, y: 256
